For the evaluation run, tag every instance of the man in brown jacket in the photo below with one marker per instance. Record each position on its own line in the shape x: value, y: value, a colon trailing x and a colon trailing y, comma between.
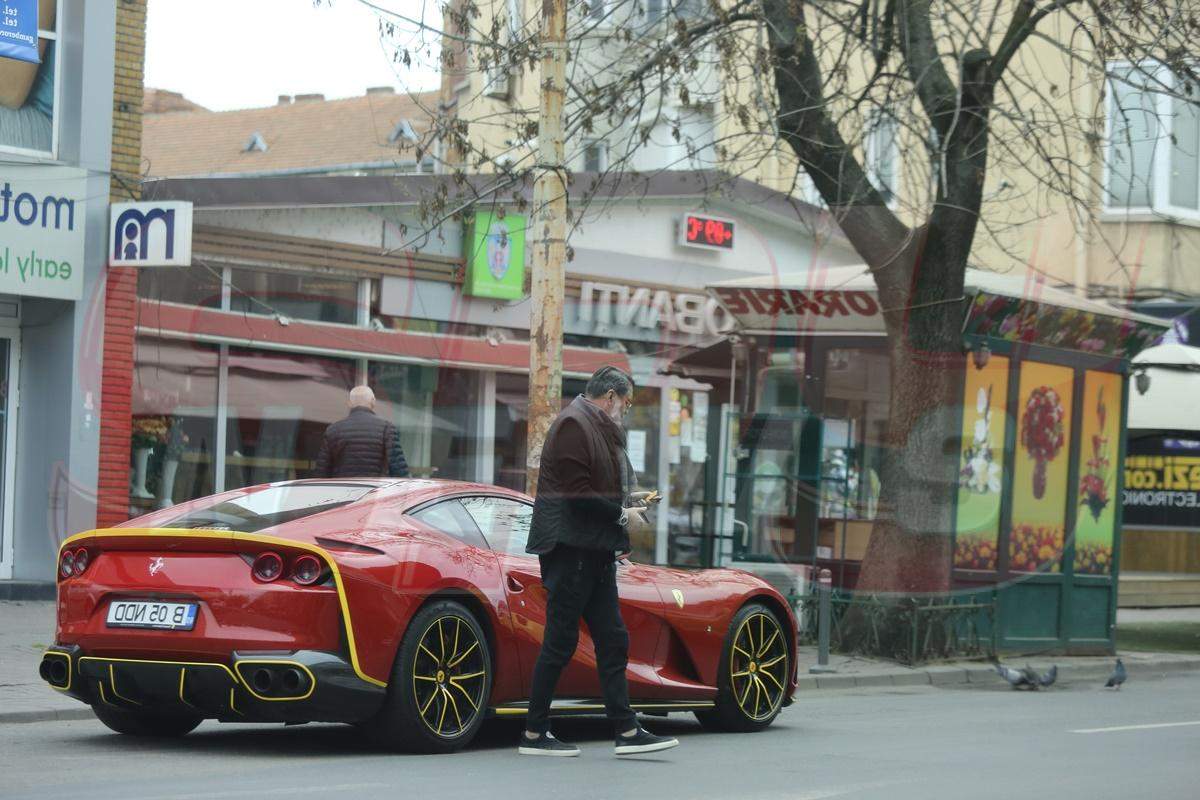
x: 362, y: 445
x: 582, y: 517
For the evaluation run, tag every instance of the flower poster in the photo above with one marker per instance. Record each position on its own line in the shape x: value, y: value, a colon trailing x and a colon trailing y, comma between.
x: 1040, y: 491
x: 1098, y: 447
x: 980, y: 469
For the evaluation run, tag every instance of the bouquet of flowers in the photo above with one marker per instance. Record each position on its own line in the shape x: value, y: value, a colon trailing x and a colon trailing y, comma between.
x: 1042, y: 432
x: 148, y: 432
x: 1093, y: 491
x: 980, y: 473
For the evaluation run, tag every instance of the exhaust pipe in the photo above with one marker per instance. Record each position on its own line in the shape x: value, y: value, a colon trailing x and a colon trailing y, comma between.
x: 54, y: 671
x: 292, y: 681
x: 263, y: 680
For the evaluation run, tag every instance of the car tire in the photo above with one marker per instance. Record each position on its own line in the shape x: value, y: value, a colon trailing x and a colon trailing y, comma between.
x: 746, y: 700
x: 434, y: 684
x: 147, y: 723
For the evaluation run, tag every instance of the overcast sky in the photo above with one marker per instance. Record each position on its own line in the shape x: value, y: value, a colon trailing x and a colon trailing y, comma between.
x: 226, y: 54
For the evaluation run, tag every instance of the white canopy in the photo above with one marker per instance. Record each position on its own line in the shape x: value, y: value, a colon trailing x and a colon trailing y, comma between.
x: 1171, y: 402
x: 845, y: 299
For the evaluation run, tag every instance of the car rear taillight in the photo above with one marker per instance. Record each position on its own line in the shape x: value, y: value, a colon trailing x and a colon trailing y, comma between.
x: 267, y: 567
x: 306, y: 570
x: 66, y: 566
x: 82, y: 559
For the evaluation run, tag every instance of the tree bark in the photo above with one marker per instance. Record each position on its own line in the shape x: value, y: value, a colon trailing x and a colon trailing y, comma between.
x: 920, y: 276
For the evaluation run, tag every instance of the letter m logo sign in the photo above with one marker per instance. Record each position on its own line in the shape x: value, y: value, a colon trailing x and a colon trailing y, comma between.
x: 154, y: 234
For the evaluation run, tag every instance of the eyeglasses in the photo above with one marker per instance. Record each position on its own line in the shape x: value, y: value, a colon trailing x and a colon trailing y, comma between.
x: 627, y: 401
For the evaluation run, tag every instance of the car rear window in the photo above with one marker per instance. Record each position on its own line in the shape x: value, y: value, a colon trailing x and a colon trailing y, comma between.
x: 272, y: 506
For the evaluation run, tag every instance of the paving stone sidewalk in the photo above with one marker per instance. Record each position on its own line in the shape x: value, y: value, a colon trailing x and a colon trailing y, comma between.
x: 26, y: 628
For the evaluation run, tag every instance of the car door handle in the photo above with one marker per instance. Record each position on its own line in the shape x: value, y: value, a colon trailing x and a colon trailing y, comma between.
x: 515, y: 585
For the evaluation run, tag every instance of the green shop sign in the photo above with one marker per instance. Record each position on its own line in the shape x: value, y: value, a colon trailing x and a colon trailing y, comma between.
x: 495, y: 256
x: 41, y: 231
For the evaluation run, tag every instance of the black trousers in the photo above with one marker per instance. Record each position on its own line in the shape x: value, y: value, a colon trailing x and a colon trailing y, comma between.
x: 581, y: 584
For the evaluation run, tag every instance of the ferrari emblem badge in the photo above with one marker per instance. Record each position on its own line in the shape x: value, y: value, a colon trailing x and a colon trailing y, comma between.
x: 678, y: 595
x: 156, y: 564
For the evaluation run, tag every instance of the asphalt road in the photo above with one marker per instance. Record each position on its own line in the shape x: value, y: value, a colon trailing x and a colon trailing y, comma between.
x: 921, y: 742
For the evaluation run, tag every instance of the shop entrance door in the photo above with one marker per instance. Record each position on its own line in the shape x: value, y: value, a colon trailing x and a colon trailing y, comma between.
x: 10, y: 349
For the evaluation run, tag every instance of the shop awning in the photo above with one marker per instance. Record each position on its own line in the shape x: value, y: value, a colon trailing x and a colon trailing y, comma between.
x: 209, y: 325
x: 708, y: 361
x: 1174, y: 372
x: 844, y: 300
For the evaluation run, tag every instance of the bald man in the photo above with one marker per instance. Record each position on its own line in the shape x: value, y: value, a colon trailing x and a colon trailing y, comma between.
x: 362, y: 445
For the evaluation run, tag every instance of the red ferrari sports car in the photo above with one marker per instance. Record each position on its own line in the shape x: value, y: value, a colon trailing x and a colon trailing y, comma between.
x: 408, y: 607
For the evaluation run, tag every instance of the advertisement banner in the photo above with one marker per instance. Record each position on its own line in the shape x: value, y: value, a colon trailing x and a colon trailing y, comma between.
x: 1099, y: 440
x: 1162, y: 483
x: 980, y: 481
x: 18, y: 30
x: 495, y: 256
x: 1040, y: 491
x: 42, y: 216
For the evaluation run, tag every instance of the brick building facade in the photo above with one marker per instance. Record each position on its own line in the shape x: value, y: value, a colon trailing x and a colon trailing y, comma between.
x: 120, y: 294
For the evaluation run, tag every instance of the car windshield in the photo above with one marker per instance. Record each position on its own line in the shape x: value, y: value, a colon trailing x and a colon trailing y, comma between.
x: 272, y: 506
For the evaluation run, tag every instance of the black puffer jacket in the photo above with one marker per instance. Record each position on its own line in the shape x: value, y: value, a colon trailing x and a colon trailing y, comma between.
x: 361, y: 446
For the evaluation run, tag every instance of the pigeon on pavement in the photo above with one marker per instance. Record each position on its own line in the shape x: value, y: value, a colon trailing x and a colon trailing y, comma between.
x: 1050, y: 677
x: 1015, y: 677
x: 1031, y: 677
x: 1118, y: 677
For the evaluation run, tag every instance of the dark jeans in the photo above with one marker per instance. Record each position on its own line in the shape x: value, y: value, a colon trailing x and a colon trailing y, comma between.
x: 581, y: 583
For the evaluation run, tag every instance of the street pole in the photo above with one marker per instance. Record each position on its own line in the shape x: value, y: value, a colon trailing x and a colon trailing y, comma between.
x: 824, y: 619
x: 549, y: 235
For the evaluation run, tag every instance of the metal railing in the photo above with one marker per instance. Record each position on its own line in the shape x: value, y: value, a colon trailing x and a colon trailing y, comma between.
x: 910, y: 630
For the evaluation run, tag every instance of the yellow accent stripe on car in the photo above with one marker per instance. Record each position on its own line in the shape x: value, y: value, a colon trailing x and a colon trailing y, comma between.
x: 516, y: 711
x: 112, y: 682
x: 274, y: 541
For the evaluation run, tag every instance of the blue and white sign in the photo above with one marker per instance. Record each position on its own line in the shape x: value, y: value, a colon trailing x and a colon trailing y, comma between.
x: 18, y: 30
x: 156, y: 234
x: 42, y: 216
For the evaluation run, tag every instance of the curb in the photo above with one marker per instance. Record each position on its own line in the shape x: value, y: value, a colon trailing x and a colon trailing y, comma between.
x: 948, y: 675
x: 46, y: 715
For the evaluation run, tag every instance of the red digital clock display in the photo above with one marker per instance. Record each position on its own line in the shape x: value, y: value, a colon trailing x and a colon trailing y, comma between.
x: 708, y: 232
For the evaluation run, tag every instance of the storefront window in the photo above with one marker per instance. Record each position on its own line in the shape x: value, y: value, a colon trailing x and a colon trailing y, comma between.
x: 981, y: 465
x: 279, y: 405
x: 1040, y: 489
x: 197, y: 285
x: 687, y: 452
x: 512, y: 427
x: 299, y: 295
x: 174, y: 423
x: 437, y: 412
x: 854, y: 417
x: 774, y: 452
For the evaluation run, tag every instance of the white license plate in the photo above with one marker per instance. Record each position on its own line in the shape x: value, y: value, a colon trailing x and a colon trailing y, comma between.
x: 151, y: 614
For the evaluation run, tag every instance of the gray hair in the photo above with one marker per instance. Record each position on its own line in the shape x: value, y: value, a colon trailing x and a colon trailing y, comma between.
x: 607, y: 378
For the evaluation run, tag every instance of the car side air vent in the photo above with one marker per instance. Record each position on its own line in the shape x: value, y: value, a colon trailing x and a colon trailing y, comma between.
x: 349, y: 547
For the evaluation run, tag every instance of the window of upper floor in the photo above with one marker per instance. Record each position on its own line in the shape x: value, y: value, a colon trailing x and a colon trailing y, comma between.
x: 595, y: 156
x: 883, y: 154
x: 29, y: 79
x: 1152, y: 155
